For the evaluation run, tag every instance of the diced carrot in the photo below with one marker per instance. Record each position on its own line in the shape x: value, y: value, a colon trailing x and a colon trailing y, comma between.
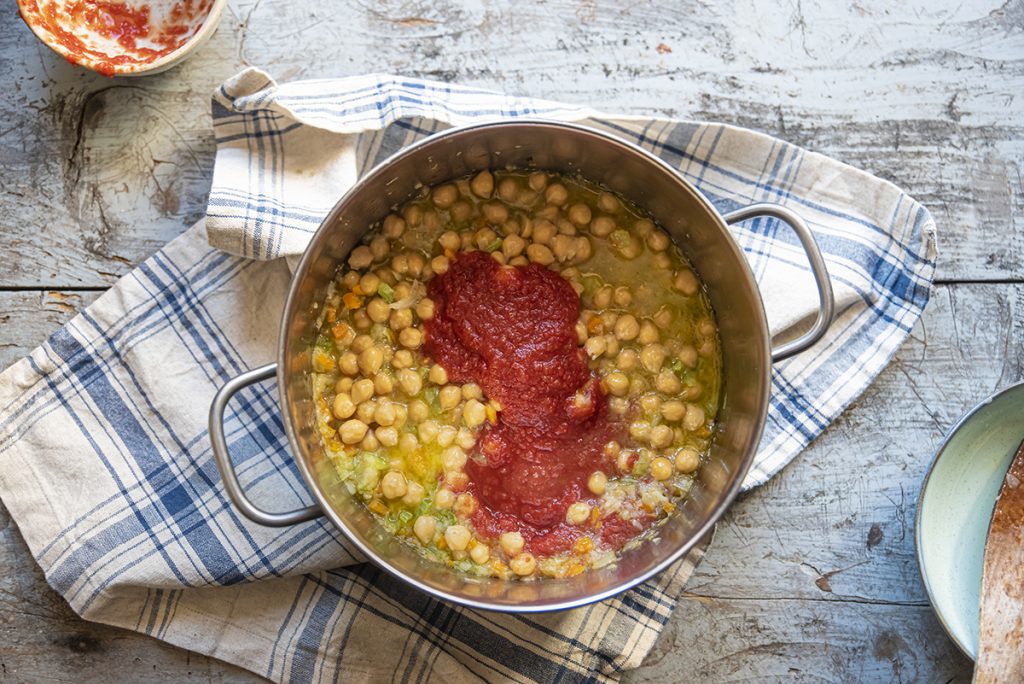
x: 352, y: 300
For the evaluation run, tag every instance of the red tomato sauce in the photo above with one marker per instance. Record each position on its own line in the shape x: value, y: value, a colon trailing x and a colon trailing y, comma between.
x: 512, y: 330
x: 125, y: 24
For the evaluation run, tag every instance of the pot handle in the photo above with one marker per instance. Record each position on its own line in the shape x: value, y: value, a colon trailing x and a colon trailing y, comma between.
x: 826, y: 298
x: 227, y: 470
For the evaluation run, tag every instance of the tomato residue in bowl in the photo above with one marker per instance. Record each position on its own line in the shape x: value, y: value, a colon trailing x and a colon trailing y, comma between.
x: 512, y: 330
x: 79, y: 26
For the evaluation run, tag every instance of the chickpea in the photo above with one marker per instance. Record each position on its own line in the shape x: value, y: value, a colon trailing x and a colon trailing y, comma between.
x: 465, y: 439
x: 618, y: 405
x: 513, y: 246
x: 417, y: 262
x: 602, y: 226
x: 393, y: 485
x: 408, y: 444
x: 622, y: 296
x: 694, y: 418
x: 473, y: 413
x: 400, y: 319
x: 495, y: 213
x: 595, y: 346
x: 457, y: 537
x: 611, y: 449
x: 456, y: 480
x: 465, y: 505
x: 388, y: 436
x: 350, y: 279
x: 385, y: 413
x: 366, y: 410
x: 425, y: 309
x: 663, y: 317
x: 643, y: 227
x: 612, y: 346
x: 370, y: 360
x: 360, y: 320
x: 418, y: 411
x: 578, y: 513
x: 482, y: 184
x: 616, y: 384
x: 687, y: 460
x: 413, y: 214
x: 453, y: 458
x: 382, y: 384
x: 626, y: 328
x: 583, y: 249
x: 639, y: 430
x: 688, y: 355
x: 673, y: 411
x: 523, y: 565
x: 660, y: 436
x: 446, y: 436
x: 606, y: 201
x: 402, y: 359
x: 410, y: 337
x: 686, y: 282
x: 369, y: 283
x: 362, y: 390
x: 471, y: 390
x: 450, y: 240
x: 360, y: 258
x: 661, y: 468
x: 511, y: 543
x: 344, y: 385
x: 410, y: 381
x: 597, y: 483
x: 378, y: 310
x: 508, y: 189
x: 439, y: 264
x: 603, y: 297
x: 707, y: 347
x: 706, y: 328
x: 650, y: 403
x: 348, y: 363
x: 361, y: 343
x: 449, y: 397
x: 445, y: 195
x: 667, y: 383
x: 581, y: 333
x: 543, y: 233
x: 652, y: 357
x: 537, y: 181
x: 427, y: 431
x: 563, y: 247
x: 648, y: 333
x: 352, y: 431
x: 662, y: 261
x: 424, y: 528
x: 343, y: 406
x: 444, y: 498
x: 414, y: 494
x: 393, y: 227
x: 624, y: 462
x: 518, y: 261
x: 481, y: 553
x: 579, y: 214
x: 484, y: 237
x: 379, y: 247
x: 556, y: 194
x: 658, y: 240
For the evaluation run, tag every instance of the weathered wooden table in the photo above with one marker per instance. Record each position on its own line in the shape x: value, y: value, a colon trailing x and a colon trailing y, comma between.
x: 813, y: 574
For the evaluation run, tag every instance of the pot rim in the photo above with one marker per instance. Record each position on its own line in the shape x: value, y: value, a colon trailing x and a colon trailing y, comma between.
x: 730, y: 491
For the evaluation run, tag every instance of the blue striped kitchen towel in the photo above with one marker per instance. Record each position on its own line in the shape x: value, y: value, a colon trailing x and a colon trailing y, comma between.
x: 105, y: 462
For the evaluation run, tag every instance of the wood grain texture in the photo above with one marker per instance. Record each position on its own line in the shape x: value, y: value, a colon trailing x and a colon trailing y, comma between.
x: 811, y: 576
x: 1001, y: 633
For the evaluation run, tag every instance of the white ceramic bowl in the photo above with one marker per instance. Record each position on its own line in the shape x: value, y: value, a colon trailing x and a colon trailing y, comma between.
x: 955, y: 508
x: 123, y: 37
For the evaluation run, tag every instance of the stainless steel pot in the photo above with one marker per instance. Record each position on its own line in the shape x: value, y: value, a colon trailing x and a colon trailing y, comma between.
x: 692, y: 222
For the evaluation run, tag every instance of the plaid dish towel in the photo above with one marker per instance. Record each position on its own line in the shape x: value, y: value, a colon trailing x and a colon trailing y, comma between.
x: 105, y: 463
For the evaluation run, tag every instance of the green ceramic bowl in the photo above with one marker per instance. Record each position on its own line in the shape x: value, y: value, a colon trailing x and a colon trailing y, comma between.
x: 955, y: 507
